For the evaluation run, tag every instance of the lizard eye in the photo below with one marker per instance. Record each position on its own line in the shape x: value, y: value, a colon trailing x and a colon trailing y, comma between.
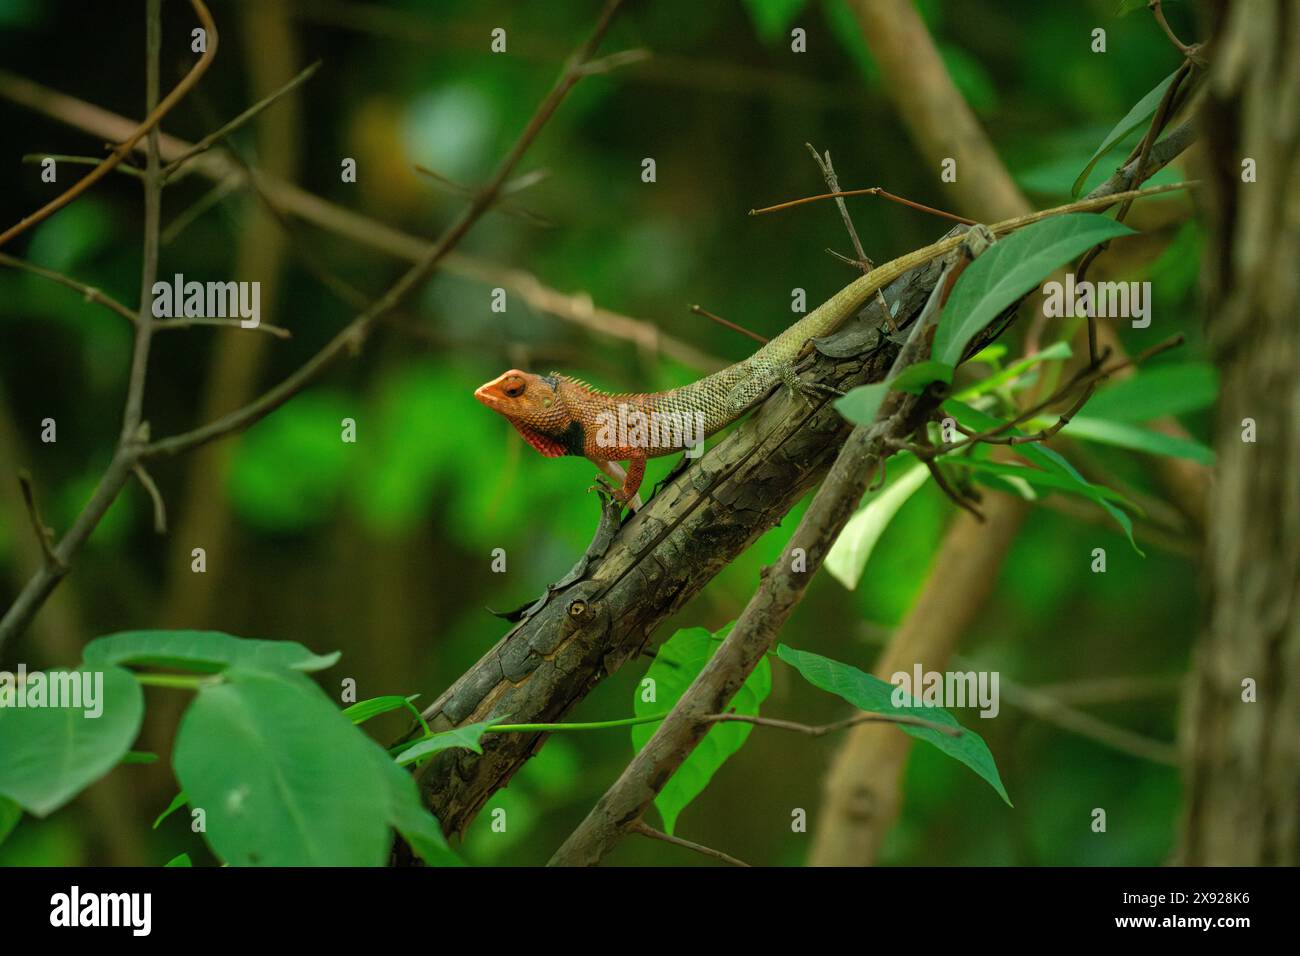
x: 514, y: 387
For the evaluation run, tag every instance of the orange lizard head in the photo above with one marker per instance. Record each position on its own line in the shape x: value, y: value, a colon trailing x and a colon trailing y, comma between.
x: 535, y: 405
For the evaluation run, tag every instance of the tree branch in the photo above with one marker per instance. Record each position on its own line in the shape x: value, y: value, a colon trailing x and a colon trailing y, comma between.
x: 134, y: 448
x: 150, y: 124
x: 780, y: 591
x: 576, y: 309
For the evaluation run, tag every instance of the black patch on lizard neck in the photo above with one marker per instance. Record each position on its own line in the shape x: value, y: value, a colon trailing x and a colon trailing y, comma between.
x: 573, y: 438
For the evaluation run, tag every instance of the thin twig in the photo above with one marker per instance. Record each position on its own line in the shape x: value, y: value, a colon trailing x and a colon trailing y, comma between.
x: 207, y: 142
x: 92, y: 294
x: 351, y: 337
x: 700, y: 310
x: 44, y: 534
x: 871, y: 191
x: 1158, y: 121
x: 159, y: 506
x: 833, y: 183
x: 213, y: 197
x: 89, y: 293
x: 123, y: 167
x: 1192, y: 51
x: 821, y: 730
x: 958, y: 499
x: 157, y: 111
x: 1087, y: 378
x: 864, y: 263
x: 133, y: 414
x: 508, y: 208
x: 648, y: 831
x: 134, y: 446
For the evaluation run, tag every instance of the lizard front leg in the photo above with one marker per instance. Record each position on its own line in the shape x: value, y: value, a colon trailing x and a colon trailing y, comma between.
x: 629, y: 481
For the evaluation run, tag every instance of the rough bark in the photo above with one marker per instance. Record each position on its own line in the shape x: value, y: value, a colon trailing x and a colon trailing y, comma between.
x: 1242, y: 759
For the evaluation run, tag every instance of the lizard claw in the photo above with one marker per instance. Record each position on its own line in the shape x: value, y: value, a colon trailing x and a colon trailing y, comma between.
x: 807, y: 391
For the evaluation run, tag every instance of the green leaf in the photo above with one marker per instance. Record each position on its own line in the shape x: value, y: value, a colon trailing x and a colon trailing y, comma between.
x: 677, y: 663
x: 178, y: 801
x: 181, y: 859
x: 283, y: 777
x: 848, y: 555
x: 10, y: 814
x: 916, y: 378
x: 139, y: 757
x: 990, y: 354
x: 467, y: 736
x: 52, y: 753
x: 408, y: 816
x: 1133, y: 437
x: 1035, y: 476
x: 869, y: 693
x: 772, y: 18
x: 1153, y: 392
x: 1011, y: 267
x: 1054, y: 352
x: 1142, y: 111
x: 207, y: 652
x: 861, y: 404
x: 1047, y: 459
x: 363, y: 710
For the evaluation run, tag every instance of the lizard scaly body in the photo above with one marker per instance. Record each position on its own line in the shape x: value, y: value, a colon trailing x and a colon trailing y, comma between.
x: 559, y: 415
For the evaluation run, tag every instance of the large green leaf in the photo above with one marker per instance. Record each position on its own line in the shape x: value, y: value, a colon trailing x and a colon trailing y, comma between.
x: 1162, y: 390
x: 677, y: 663
x: 1057, y: 351
x: 848, y: 555
x: 861, y: 404
x: 408, y: 816
x: 1011, y: 267
x: 916, y: 378
x: 50, y: 754
x: 1133, y: 437
x: 1049, y: 460
x: 364, y: 710
x: 283, y: 777
x: 869, y: 693
x: 1142, y: 111
x: 207, y: 652
x: 1035, y: 476
x: 10, y: 814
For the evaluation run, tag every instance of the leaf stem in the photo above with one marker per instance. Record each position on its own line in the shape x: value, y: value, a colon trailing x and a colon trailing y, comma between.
x: 182, y: 681
x: 592, y: 725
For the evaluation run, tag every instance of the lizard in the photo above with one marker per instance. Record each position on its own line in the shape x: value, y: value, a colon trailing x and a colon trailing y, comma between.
x: 559, y: 415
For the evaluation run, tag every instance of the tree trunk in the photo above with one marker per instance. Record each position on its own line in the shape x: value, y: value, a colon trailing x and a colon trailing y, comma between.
x: 1241, y: 747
